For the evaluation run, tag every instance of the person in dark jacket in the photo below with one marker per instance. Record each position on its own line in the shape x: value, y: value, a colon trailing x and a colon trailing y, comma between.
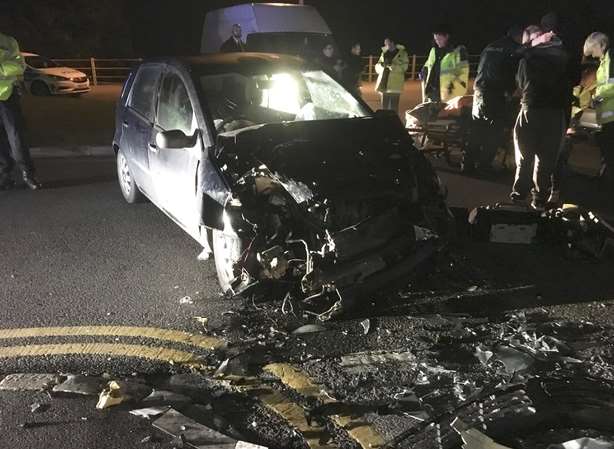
x: 542, y: 80
x: 234, y: 44
x: 493, y: 88
x: 330, y: 63
x: 354, y: 67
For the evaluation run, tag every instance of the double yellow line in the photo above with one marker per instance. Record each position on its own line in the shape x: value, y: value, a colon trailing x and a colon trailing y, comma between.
x: 157, y: 353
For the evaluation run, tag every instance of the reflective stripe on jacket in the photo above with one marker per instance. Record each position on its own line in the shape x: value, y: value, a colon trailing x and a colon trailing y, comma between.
x: 396, y: 78
x: 604, y: 94
x: 453, y: 75
x: 11, y: 65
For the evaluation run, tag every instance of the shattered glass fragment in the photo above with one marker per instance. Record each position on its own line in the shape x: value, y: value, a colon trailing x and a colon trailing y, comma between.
x: 513, y: 360
x: 366, y: 326
x: 79, y: 384
x: 483, y: 355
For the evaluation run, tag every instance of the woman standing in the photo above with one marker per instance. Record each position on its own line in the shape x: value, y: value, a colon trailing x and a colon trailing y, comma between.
x: 391, y: 69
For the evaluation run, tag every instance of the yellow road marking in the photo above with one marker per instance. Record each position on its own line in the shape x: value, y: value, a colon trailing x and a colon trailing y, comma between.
x: 315, y: 436
x: 200, y: 341
x: 107, y: 349
x: 362, y: 432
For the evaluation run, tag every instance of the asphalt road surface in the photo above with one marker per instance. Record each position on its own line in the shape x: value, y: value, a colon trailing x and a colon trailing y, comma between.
x: 75, y: 254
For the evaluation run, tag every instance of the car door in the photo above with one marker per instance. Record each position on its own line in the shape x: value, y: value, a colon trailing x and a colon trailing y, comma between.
x: 176, y: 170
x: 138, y: 123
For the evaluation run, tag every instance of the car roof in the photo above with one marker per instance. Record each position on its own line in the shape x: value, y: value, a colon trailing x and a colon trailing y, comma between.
x: 247, y: 63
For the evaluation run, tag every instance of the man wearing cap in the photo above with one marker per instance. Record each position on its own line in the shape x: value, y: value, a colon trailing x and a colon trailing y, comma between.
x: 538, y: 134
x: 494, y: 86
x: 445, y: 74
x: 17, y: 152
x: 597, y: 45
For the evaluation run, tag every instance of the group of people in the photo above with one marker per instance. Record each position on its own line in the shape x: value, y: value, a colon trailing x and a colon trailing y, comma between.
x: 534, y: 64
x: 524, y: 76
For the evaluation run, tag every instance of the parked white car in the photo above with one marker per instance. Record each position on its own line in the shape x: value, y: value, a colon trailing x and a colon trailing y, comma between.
x: 46, y: 77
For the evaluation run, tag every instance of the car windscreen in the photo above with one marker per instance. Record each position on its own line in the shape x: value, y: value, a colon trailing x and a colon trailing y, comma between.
x: 39, y: 62
x: 238, y: 101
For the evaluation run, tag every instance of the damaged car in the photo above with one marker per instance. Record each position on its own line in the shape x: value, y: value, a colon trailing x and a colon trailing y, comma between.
x: 288, y: 179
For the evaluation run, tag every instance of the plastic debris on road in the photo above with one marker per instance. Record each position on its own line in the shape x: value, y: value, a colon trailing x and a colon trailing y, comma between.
x: 165, y: 397
x: 28, y: 382
x: 376, y: 357
x: 112, y: 395
x: 79, y: 384
x: 309, y: 329
x: 195, y: 434
x: 483, y: 355
x: 150, y: 412
x: 37, y: 407
x: 583, y: 443
x: 473, y: 438
x: 366, y: 326
x: 514, y: 360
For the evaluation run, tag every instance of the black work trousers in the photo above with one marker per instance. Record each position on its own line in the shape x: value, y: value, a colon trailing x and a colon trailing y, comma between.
x: 486, y: 137
x: 14, y: 149
x: 391, y: 102
x: 538, y: 136
x: 606, y: 145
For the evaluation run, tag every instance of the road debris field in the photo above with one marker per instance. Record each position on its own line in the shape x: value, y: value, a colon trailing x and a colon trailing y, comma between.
x: 486, y: 345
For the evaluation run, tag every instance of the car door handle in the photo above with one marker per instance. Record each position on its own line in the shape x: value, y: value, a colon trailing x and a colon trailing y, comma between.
x: 125, y: 124
x: 153, y: 148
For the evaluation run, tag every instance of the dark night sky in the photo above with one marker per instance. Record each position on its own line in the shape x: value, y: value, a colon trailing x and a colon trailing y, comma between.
x: 476, y: 22
x: 164, y: 27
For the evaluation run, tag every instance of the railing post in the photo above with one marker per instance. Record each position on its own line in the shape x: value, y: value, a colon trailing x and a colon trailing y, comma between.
x: 94, y: 77
x: 370, y: 68
x: 413, y: 67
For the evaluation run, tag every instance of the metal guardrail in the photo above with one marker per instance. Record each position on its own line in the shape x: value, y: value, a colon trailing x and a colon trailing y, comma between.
x: 101, y: 70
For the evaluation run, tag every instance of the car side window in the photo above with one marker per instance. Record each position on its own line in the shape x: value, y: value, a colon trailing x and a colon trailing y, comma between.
x: 144, y: 89
x: 175, y: 110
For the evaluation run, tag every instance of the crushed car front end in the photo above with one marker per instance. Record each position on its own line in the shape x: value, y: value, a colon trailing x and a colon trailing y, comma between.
x: 329, y: 209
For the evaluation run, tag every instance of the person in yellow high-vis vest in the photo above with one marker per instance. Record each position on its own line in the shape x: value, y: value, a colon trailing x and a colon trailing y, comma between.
x: 445, y: 74
x: 391, y: 68
x: 597, y: 45
x: 11, y: 117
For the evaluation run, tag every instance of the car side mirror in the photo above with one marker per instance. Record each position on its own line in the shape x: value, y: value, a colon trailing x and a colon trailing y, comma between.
x: 175, y: 140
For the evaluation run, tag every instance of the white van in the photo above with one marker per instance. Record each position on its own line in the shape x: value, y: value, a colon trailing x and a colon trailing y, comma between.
x: 268, y: 27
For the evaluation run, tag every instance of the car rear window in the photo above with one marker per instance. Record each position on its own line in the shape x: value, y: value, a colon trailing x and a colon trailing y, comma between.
x: 144, y: 89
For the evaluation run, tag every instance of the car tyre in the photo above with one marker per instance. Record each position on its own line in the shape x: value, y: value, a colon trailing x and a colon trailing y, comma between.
x: 227, y: 250
x: 127, y: 184
x: 40, y: 89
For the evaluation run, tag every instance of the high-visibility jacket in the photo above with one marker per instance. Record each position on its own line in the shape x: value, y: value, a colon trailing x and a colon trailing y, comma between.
x: 604, y: 94
x: 453, y: 75
x: 11, y: 65
x: 398, y: 67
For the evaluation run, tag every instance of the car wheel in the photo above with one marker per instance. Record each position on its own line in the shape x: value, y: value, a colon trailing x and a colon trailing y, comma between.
x: 40, y: 89
x: 227, y: 250
x: 128, y: 186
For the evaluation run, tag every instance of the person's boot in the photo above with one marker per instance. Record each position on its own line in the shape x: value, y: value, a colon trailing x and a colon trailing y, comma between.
x: 538, y: 204
x: 554, y: 200
x: 30, y: 181
x: 517, y: 199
